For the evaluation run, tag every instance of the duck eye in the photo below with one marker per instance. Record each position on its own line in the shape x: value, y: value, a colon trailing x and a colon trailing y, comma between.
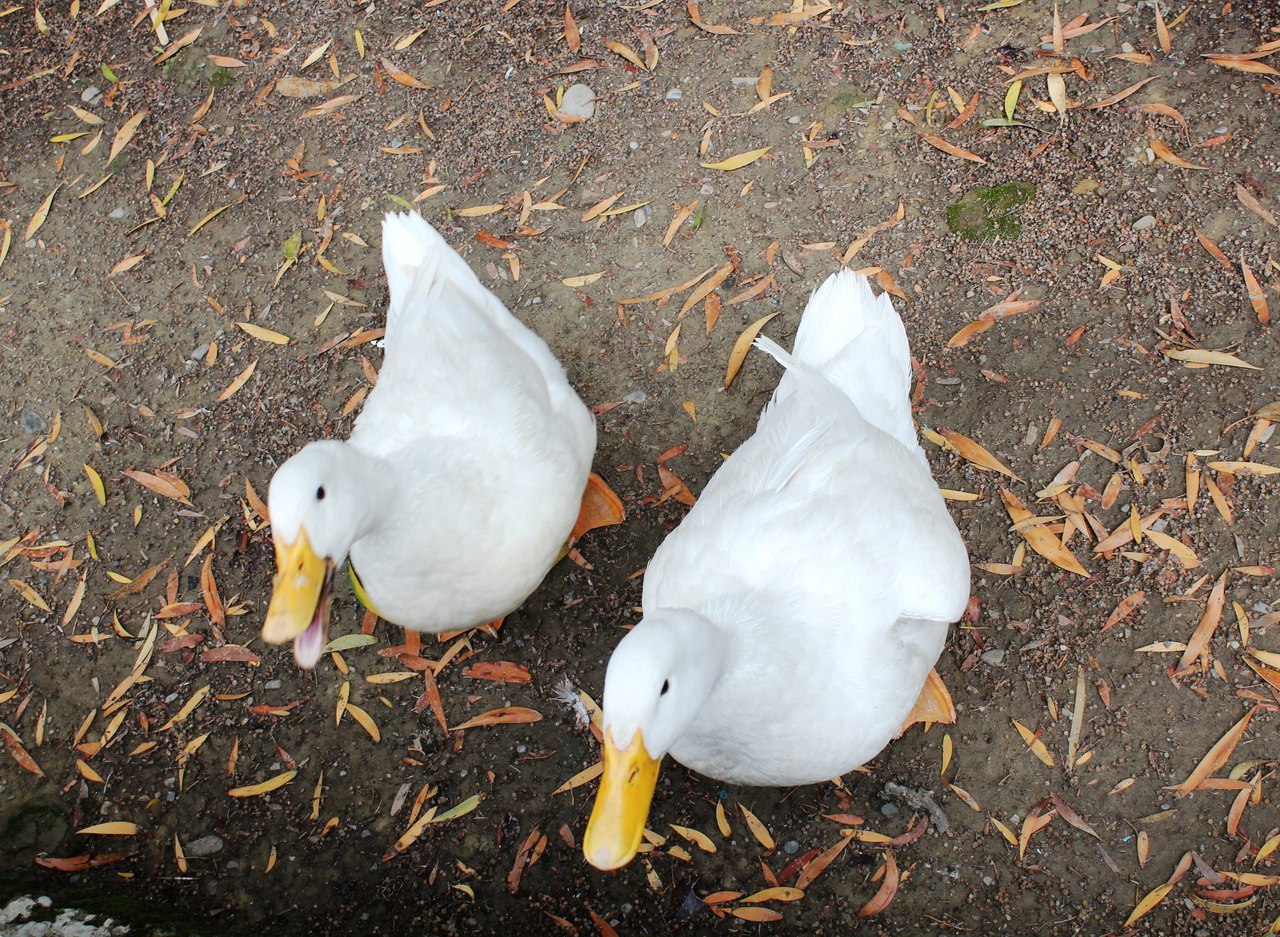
x: 666, y: 685
x: 320, y: 493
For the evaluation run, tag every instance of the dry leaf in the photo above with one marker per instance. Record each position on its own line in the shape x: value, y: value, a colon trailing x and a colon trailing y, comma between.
x: 975, y: 453
x: 951, y: 149
x: 41, y: 214
x: 13, y: 745
x: 507, y: 715
x: 1216, y: 757
x: 742, y: 346
x: 1200, y: 638
x: 757, y: 828
x: 738, y: 161
x: 1152, y: 898
x: 263, y: 787
x: 264, y: 334
x: 1201, y: 356
x: 1257, y: 296
x: 888, y: 888
x: 114, y: 828
x: 1035, y: 744
x: 1167, y: 155
x: 125, y: 134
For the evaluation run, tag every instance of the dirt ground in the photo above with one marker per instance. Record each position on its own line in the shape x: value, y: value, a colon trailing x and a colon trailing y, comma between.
x: 122, y: 306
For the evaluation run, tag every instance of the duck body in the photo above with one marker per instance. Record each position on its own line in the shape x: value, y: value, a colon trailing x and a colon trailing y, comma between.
x: 489, y: 445
x: 465, y: 470
x: 797, y: 610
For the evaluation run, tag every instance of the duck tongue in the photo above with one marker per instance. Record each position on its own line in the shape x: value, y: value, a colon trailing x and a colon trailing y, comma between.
x: 308, y: 646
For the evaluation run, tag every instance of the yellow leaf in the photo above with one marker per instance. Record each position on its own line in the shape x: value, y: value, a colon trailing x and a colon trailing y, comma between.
x: 266, y: 335
x: 125, y: 134
x: 1200, y: 356
x: 585, y: 776
x: 1036, y: 745
x: 777, y: 893
x: 742, y: 346
x: 722, y: 822
x: 757, y: 828
x: 114, y: 828
x: 626, y: 52
x: 1153, y: 898
x: 738, y: 161
x: 41, y: 213
x: 699, y: 839
x: 1039, y: 538
x: 263, y: 787
x: 30, y: 594
x: 241, y: 379
x: 314, y: 55
x: 1183, y: 553
x: 478, y: 211
x: 95, y: 480
x: 575, y: 282
x: 365, y: 720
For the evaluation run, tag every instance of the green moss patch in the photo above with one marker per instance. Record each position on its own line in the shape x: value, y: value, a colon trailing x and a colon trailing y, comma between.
x: 988, y: 213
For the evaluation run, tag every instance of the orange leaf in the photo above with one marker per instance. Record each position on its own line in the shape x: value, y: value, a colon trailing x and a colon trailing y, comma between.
x: 14, y: 746
x: 756, y: 915
x: 162, y: 483
x: 1200, y: 638
x: 1127, y: 607
x: 951, y: 149
x: 1040, y: 539
x: 1217, y: 756
x: 1153, y: 898
x: 507, y: 715
x: 818, y: 864
x: 973, y: 452
x: 888, y: 888
x: 1257, y: 296
x: 1161, y: 149
x: 502, y: 671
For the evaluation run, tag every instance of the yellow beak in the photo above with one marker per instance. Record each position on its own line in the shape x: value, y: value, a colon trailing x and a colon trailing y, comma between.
x: 622, y: 804
x: 295, y: 593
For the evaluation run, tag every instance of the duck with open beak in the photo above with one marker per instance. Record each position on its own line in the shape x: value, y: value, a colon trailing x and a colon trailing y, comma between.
x: 301, y: 595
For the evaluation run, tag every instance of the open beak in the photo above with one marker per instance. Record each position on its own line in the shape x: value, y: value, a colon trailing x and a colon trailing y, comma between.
x: 300, y: 598
x: 622, y: 804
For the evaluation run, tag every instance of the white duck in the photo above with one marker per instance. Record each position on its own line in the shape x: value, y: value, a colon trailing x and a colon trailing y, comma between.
x: 792, y: 620
x: 463, y: 475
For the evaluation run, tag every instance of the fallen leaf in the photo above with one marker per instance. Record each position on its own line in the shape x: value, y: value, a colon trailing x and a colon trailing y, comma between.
x: 507, y: 715
x: 264, y: 334
x: 1035, y: 744
x: 1152, y: 898
x: 888, y: 889
x: 1128, y: 605
x: 501, y: 670
x: 738, y: 161
x: 1200, y: 356
x: 1162, y: 151
x: 1216, y: 757
x: 975, y: 453
x: 757, y: 828
x: 114, y: 828
x: 41, y: 214
x: 263, y: 787
x: 1200, y: 638
x: 951, y: 149
x: 742, y: 346
x: 1257, y: 295
x: 125, y: 134
x: 13, y: 745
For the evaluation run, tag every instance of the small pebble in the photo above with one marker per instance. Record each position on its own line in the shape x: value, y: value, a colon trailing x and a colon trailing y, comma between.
x: 636, y: 396
x: 889, y: 810
x: 578, y: 101
x: 791, y: 847
x: 31, y: 421
x: 204, y: 846
x: 272, y: 685
x: 1145, y: 222
x: 675, y: 94
x: 994, y: 657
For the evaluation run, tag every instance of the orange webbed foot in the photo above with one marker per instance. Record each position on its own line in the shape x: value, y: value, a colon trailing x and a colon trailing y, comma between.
x: 600, y: 508
x: 933, y: 705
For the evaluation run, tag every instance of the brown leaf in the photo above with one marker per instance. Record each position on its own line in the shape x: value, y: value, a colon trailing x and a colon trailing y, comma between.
x: 888, y: 889
x: 1242, y: 64
x: 742, y: 346
x: 1118, y: 96
x: 209, y: 593
x: 572, y: 36
x: 231, y: 653
x: 1162, y: 151
x: 138, y: 583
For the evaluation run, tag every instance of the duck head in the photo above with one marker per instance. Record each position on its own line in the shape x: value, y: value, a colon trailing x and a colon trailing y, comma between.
x: 319, y: 505
x: 658, y: 678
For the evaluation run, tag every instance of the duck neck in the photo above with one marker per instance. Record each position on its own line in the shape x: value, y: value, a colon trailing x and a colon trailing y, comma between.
x: 373, y: 486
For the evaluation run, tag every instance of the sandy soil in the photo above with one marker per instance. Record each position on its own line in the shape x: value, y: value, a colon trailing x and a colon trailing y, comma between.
x: 121, y: 317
